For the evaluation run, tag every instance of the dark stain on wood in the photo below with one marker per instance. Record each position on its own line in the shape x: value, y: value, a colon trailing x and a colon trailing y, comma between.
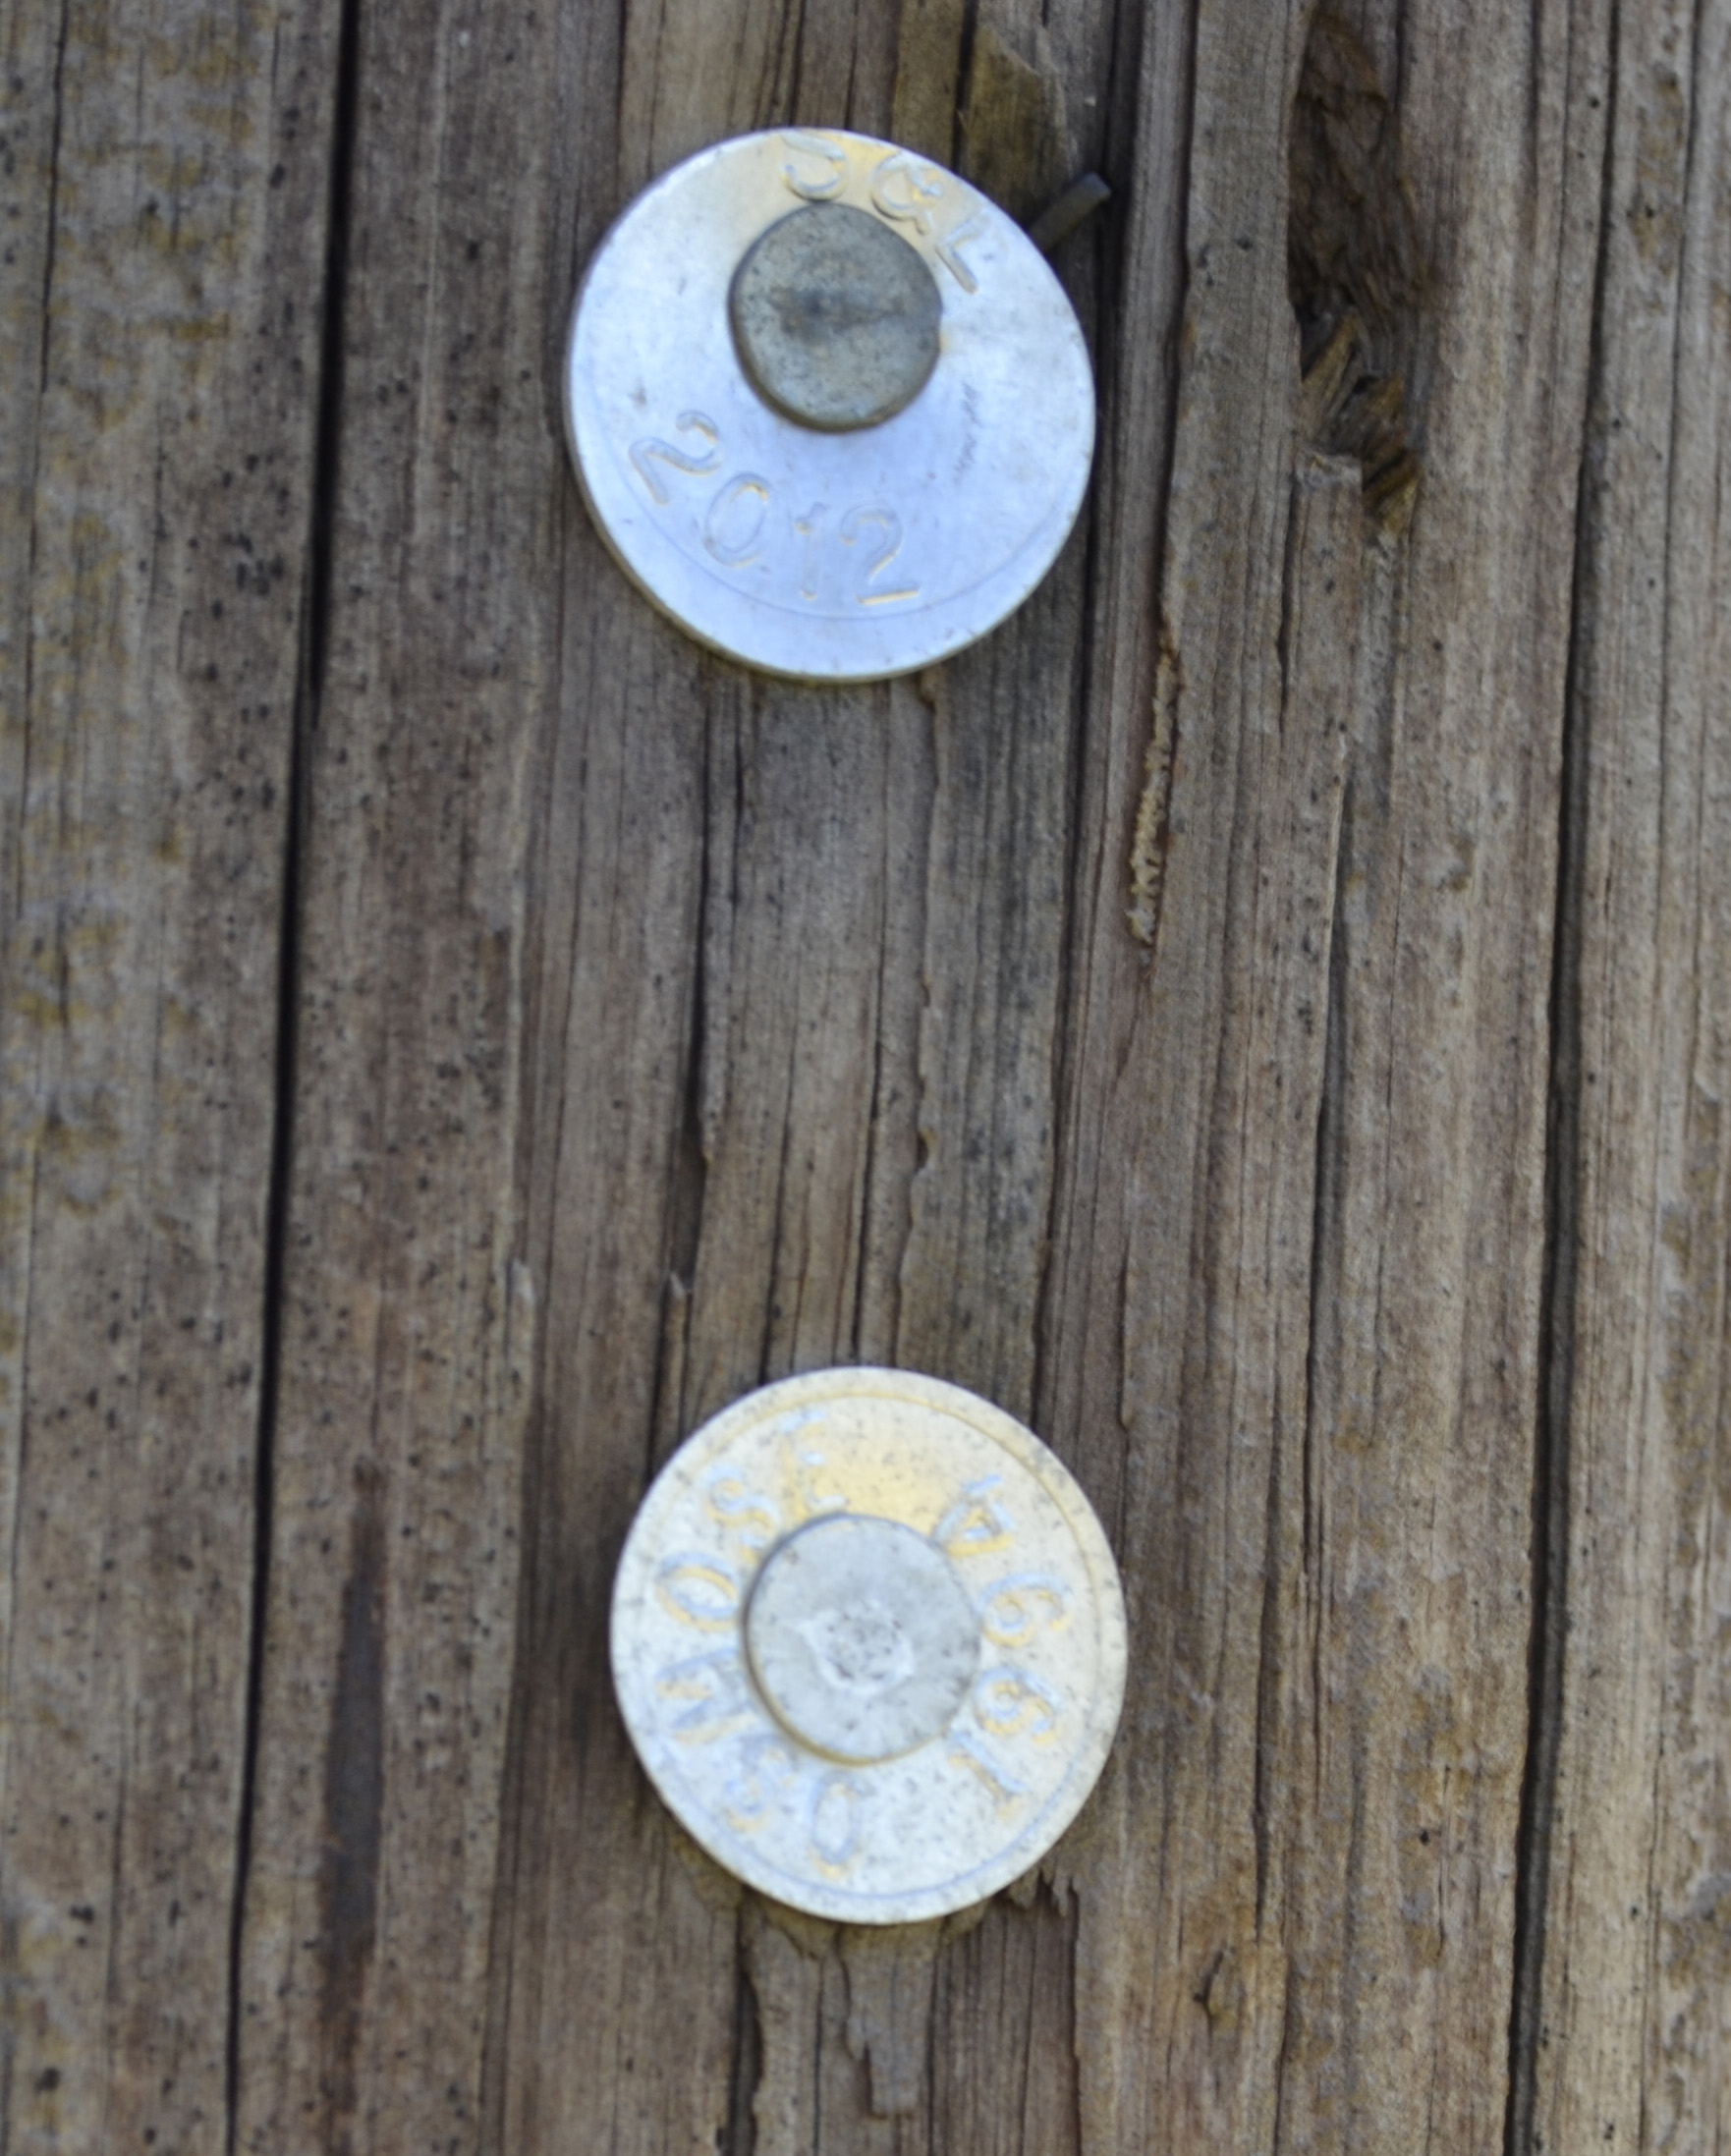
x: 746, y: 2066
x: 1015, y: 139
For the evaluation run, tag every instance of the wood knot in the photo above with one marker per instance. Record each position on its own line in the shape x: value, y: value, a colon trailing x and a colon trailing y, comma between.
x: 1347, y: 409
x: 1355, y: 269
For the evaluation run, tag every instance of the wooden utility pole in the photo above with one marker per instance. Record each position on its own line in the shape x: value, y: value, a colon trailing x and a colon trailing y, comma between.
x: 1264, y: 1017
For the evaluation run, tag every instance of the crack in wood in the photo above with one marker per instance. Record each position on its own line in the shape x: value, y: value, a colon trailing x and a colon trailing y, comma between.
x: 1550, y: 1547
x: 1151, y: 838
x: 314, y: 645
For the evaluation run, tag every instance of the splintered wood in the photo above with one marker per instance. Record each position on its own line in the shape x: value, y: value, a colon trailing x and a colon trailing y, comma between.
x: 1264, y: 1017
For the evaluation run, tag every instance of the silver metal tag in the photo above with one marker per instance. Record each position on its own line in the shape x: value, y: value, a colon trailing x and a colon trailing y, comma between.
x: 828, y: 405
x: 869, y: 1640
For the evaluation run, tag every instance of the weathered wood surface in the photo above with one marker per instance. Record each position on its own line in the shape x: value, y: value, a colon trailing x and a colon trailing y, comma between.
x: 1625, y: 2028
x: 1263, y: 1016
x: 164, y: 183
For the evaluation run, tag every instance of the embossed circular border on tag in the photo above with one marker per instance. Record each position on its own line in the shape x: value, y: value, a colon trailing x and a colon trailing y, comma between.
x: 833, y: 557
x: 949, y: 1822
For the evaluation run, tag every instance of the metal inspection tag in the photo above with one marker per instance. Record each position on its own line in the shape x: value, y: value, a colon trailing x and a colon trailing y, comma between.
x: 828, y: 405
x: 869, y: 1640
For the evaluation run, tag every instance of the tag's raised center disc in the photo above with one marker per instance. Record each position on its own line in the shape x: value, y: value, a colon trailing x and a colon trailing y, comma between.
x: 835, y: 318
x: 862, y: 1638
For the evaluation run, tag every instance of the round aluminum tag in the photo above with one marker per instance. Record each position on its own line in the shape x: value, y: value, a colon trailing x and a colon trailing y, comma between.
x: 869, y: 1640
x: 828, y: 405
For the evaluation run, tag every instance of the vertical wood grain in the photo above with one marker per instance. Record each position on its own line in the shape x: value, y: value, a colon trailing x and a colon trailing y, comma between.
x: 162, y: 195
x: 1296, y: 1910
x: 840, y: 1087
x: 408, y: 1327
x: 1260, y: 1015
x: 1628, y: 1974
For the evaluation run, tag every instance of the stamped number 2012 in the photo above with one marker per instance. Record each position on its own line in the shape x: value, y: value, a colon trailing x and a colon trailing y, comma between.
x: 743, y: 521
